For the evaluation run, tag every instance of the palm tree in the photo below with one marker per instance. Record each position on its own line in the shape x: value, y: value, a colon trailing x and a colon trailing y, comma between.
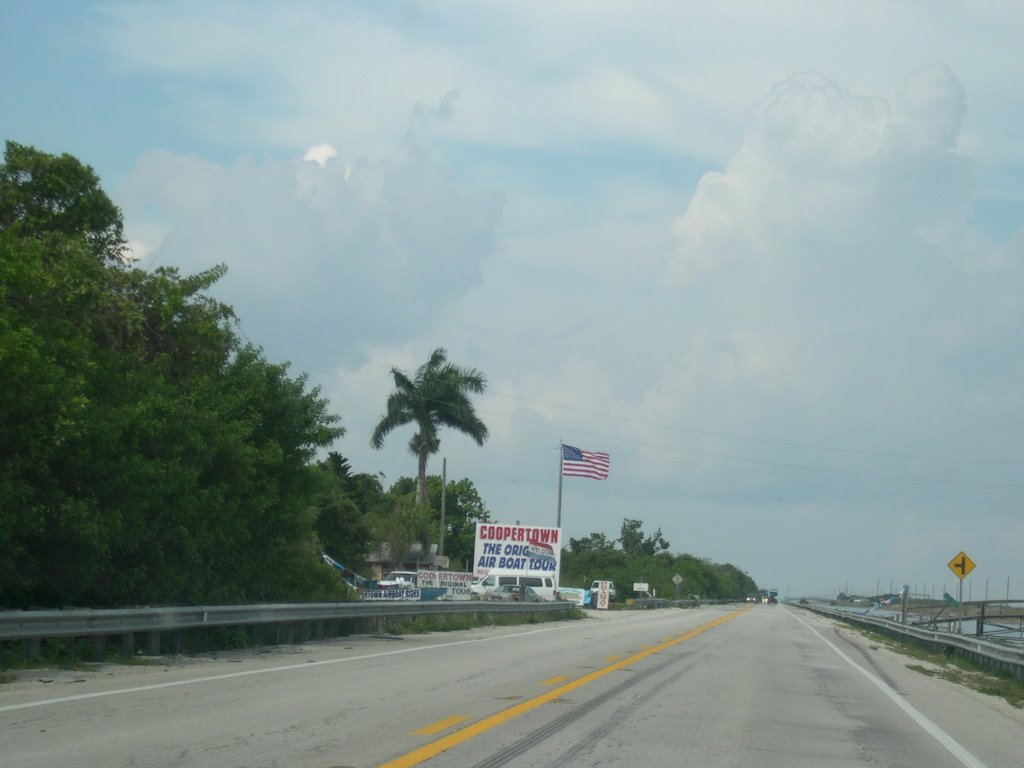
x: 437, y: 396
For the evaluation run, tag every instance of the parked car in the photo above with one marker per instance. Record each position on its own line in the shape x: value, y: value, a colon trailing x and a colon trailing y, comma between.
x: 514, y: 593
x: 398, y: 580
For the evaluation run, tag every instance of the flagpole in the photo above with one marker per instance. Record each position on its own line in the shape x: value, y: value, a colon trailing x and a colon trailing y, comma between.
x: 558, y: 522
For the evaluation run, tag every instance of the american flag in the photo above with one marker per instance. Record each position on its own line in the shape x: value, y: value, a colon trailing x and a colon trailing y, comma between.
x: 577, y: 463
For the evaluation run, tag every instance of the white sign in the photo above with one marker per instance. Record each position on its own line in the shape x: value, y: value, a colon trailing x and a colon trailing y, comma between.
x: 523, y: 548
x: 572, y: 595
x: 455, y: 585
x: 641, y: 586
x: 603, y: 588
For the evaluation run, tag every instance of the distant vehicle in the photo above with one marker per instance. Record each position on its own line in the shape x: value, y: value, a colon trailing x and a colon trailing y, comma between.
x: 595, y: 588
x: 751, y: 598
x: 398, y: 580
x: 513, y: 593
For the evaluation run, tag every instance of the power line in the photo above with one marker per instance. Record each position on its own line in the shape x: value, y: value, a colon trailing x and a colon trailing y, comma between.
x: 711, y: 454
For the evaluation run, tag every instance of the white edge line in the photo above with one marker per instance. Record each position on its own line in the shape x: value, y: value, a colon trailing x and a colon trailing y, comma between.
x: 953, y: 746
x: 267, y: 670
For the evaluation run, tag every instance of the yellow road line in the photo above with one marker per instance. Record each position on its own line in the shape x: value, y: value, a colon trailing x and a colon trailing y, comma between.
x: 473, y: 730
x: 440, y: 725
x: 555, y: 679
x: 610, y: 659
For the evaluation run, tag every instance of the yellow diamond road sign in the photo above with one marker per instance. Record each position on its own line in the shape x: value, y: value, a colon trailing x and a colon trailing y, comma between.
x: 961, y: 565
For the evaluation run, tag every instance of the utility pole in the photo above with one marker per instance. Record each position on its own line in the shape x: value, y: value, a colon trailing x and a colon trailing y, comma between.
x: 444, y: 485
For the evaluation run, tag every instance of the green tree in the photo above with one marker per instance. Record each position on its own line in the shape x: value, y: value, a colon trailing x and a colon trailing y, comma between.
x: 595, y: 542
x: 642, y: 557
x: 341, y: 524
x: 147, y: 455
x: 436, y: 396
x: 400, y: 528
x: 402, y: 523
x: 633, y: 541
x: 49, y: 196
x: 463, y: 510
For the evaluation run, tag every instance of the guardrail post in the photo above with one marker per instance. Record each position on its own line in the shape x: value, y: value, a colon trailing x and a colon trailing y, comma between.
x: 99, y: 647
x: 979, y: 624
x: 128, y: 644
x: 153, y: 644
x: 34, y: 645
x: 177, y: 642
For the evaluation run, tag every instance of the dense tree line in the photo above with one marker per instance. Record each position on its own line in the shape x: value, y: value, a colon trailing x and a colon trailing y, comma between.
x: 636, y: 557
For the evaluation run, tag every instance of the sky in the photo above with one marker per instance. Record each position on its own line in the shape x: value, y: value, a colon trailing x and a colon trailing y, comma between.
x: 769, y: 256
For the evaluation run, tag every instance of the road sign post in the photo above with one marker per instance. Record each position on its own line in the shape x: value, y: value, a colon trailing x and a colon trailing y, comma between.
x: 961, y: 565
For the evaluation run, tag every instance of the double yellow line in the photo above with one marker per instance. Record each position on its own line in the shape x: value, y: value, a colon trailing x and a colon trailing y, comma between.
x: 473, y: 730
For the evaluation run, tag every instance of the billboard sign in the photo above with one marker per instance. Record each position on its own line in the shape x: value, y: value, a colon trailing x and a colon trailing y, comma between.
x: 527, y: 549
x: 455, y: 585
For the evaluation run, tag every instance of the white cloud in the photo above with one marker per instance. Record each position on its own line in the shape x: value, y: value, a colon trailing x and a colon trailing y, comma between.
x: 320, y: 154
x: 137, y: 251
x: 365, y: 252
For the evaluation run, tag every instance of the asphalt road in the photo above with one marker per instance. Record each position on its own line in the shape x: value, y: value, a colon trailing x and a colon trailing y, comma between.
x: 765, y: 686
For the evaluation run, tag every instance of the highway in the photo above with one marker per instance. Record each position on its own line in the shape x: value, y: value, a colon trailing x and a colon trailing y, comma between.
x: 766, y: 685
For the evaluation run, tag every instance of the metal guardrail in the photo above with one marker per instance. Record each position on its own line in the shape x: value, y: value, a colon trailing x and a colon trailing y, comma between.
x: 21, y: 625
x: 1002, y: 658
x: 35, y: 626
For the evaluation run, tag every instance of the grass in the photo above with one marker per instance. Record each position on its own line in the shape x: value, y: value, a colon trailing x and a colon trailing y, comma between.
x: 452, y: 623
x: 946, y: 665
x: 53, y: 660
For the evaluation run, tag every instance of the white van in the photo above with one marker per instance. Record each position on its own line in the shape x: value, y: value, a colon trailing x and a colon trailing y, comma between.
x: 544, y: 586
